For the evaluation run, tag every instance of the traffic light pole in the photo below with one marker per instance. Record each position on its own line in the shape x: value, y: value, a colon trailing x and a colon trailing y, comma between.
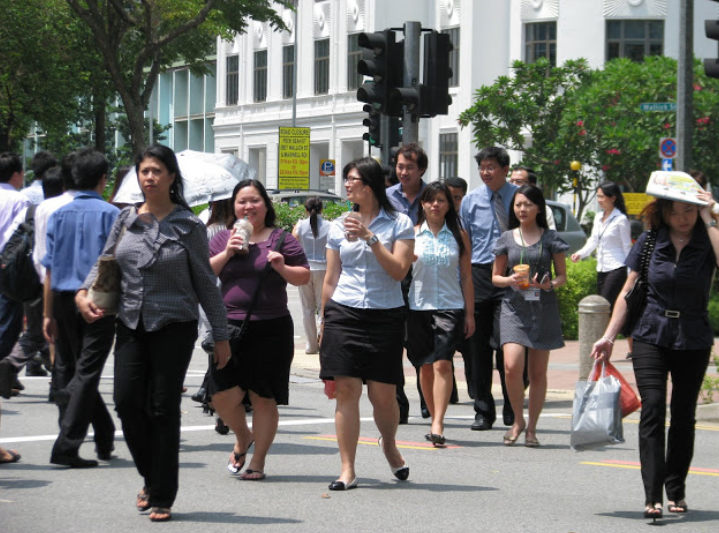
x: 384, y: 135
x: 410, y: 121
x: 685, y: 86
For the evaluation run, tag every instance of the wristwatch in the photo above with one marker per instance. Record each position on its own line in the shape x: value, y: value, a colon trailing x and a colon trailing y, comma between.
x: 712, y: 224
x: 373, y: 239
x: 551, y: 287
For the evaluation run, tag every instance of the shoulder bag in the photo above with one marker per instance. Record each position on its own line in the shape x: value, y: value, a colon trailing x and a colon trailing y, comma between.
x: 636, y: 298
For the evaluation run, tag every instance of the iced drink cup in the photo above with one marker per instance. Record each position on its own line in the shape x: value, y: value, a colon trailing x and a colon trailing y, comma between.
x: 351, y: 237
x: 523, y: 272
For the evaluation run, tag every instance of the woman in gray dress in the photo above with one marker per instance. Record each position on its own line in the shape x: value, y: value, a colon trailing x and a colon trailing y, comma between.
x: 530, y: 312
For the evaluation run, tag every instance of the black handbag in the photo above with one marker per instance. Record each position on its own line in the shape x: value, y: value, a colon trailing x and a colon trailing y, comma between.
x: 636, y: 298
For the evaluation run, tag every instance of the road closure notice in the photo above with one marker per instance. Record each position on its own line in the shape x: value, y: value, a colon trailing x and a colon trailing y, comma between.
x: 294, y: 158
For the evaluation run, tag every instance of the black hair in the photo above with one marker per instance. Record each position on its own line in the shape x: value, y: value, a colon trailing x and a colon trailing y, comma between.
x: 66, y: 170
x: 609, y: 188
x: 656, y: 213
x: 89, y: 168
x: 493, y: 152
x: 9, y: 165
x: 534, y: 195
x: 531, y: 175
x: 313, y: 205
x: 222, y: 212
x: 429, y: 193
x: 271, y: 216
x: 168, y: 158
x: 700, y: 178
x: 371, y: 174
x: 457, y: 183
x: 414, y: 152
x: 52, y: 182
x: 41, y: 163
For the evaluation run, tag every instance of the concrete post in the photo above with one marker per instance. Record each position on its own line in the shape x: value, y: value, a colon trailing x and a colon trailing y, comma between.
x: 593, y: 319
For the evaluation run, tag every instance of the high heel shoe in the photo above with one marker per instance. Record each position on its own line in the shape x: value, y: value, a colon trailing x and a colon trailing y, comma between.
x: 653, y: 511
x: 401, y: 472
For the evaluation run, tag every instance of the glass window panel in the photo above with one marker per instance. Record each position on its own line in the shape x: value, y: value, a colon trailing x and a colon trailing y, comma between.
x: 288, y: 71
x: 322, y: 66
x: 655, y: 50
x: 354, y: 54
x: 634, y: 29
x: 634, y: 51
x: 612, y: 51
x: 656, y: 29
x: 540, y: 32
x: 233, y: 79
x: 614, y: 29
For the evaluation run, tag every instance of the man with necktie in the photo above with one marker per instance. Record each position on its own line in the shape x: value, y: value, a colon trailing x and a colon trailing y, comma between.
x: 484, y: 215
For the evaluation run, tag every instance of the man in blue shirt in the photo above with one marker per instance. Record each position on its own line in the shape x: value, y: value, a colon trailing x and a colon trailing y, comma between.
x: 411, y: 166
x: 76, y: 235
x: 484, y: 215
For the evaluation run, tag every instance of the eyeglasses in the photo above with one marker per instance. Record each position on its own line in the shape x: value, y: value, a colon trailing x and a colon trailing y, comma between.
x: 348, y: 179
x: 489, y: 169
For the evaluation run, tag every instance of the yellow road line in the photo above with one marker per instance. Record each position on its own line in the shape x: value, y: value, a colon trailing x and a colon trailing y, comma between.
x: 637, y: 467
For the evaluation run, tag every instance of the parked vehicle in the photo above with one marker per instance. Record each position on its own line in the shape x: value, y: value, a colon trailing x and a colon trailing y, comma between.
x: 567, y: 226
x: 298, y: 197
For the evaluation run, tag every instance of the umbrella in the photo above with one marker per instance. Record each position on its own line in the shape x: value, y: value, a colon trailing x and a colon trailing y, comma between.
x: 207, y: 177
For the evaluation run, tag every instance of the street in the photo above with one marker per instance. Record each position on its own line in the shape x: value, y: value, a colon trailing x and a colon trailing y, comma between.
x: 476, y: 484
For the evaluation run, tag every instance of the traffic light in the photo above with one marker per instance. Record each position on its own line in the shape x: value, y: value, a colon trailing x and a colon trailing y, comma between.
x: 415, y: 98
x: 711, y: 66
x: 382, y: 60
x: 373, y: 123
x: 437, y: 73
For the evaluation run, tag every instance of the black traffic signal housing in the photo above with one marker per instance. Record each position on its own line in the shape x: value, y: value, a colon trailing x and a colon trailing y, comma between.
x: 437, y: 74
x: 373, y: 123
x: 711, y: 66
x: 382, y: 60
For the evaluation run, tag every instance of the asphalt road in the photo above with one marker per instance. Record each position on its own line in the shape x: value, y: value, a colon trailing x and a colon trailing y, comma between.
x: 476, y: 484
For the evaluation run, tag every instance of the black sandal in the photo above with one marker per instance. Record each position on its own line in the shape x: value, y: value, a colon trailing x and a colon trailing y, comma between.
x: 143, y: 500
x: 677, y: 507
x: 653, y: 511
x: 237, y: 460
x: 160, y: 514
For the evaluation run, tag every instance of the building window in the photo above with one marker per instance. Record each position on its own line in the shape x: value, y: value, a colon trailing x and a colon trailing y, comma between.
x: 540, y: 40
x: 260, y: 76
x: 354, y: 54
x: 233, y: 79
x: 322, y: 66
x: 288, y: 71
x: 448, y: 155
x: 635, y: 39
x: 454, y: 56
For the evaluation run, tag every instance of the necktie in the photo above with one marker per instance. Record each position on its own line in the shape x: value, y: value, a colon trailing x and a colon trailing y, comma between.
x: 500, y: 212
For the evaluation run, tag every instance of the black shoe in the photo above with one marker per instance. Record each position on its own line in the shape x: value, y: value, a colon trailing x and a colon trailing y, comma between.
x: 508, y: 417
x: 481, y: 424
x: 221, y: 427
x: 34, y: 368
x: 403, y: 420
x: 106, y: 454
x: 7, y: 377
x: 51, y: 395
x: 425, y: 413
x: 340, y: 485
x: 74, y: 462
x: 401, y: 473
x: 199, y: 396
x: 16, y: 384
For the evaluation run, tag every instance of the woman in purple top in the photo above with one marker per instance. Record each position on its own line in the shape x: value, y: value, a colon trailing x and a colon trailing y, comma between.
x: 262, y: 366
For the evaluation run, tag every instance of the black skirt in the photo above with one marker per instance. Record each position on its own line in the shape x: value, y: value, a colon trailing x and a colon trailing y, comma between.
x: 434, y: 335
x: 362, y: 343
x: 260, y: 361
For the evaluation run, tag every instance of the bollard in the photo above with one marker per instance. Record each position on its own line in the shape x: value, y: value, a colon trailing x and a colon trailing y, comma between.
x: 593, y: 320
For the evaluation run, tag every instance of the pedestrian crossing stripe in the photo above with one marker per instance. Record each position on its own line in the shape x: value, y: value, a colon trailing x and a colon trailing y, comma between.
x: 408, y: 445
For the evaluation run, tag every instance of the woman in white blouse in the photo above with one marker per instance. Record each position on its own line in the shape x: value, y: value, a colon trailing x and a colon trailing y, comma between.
x: 612, y: 239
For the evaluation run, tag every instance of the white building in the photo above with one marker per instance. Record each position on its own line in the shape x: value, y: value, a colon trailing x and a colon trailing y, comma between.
x: 254, y: 71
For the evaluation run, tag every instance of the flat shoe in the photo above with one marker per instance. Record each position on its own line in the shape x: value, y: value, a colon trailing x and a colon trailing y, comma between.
x: 508, y: 440
x: 160, y: 514
x: 401, y: 472
x: 14, y: 457
x: 340, y: 485
x: 530, y: 442
x: 237, y: 460
x: 679, y: 507
x: 248, y: 472
x: 437, y: 440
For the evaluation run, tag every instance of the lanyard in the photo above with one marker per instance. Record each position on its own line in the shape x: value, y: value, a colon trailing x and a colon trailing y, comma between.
x: 521, y: 254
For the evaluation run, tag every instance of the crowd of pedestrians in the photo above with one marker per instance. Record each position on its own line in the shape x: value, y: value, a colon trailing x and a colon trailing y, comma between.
x: 426, y: 267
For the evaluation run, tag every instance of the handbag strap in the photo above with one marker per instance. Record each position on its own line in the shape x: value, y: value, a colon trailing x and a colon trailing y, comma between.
x: 263, y: 276
x: 647, y: 251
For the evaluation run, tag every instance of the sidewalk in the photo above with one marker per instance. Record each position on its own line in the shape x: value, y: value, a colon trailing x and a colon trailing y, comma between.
x: 562, y: 375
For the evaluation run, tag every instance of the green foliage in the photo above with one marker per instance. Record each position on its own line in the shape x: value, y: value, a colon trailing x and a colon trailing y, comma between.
x: 581, y: 282
x: 594, y: 117
x: 710, y: 386
x: 288, y: 216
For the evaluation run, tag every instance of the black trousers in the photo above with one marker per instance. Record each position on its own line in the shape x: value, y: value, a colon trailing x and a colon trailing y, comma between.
x: 609, y: 284
x: 150, y: 368
x: 652, y: 366
x: 10, y: 324
x: 32, y: 341
x: 485, y: 342
x: 87, y: 347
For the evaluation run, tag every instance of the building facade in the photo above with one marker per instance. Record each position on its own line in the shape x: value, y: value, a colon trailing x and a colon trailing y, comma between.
x: 255, y: 72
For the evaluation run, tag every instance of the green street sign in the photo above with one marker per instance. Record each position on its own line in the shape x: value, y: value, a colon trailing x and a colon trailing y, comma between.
x: 658, y: 106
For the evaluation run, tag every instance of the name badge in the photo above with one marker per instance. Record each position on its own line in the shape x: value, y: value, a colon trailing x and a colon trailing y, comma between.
x: 531, y: 295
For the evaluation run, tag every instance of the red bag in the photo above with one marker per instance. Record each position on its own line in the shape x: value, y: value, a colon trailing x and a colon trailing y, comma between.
x: 629, y: 399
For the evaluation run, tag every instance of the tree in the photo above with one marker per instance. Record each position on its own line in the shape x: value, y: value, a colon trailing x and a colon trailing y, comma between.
x: 44, y: 70
x: 593, y: 116
x: 140, y: 39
